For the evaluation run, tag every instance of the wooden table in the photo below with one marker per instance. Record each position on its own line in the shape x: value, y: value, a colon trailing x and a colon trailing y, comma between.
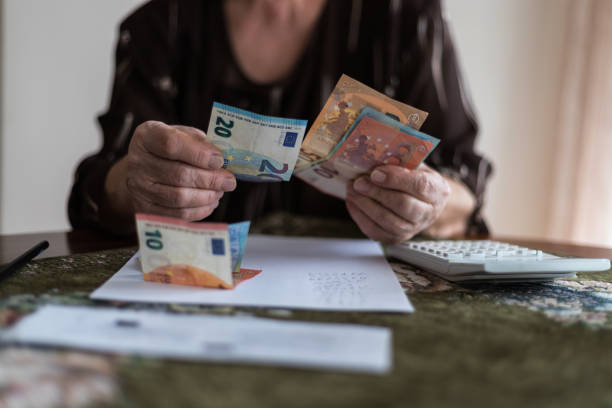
x: 60, y: 243
x: 81, y: 241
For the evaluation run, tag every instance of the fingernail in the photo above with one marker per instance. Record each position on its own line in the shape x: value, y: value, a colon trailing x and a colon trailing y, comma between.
x: 229, y: 184
x: 215, y: 162
x: 361, y: 185
x: 378, y: 176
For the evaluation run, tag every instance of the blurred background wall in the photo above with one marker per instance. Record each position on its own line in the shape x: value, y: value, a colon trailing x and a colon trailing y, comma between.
x: 56, y: 70
x: 57, y: 59
x: 511, y: 52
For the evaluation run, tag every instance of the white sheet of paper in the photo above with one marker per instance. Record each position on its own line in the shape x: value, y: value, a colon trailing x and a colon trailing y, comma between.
x: 297, y: 273
x: 344, y: 347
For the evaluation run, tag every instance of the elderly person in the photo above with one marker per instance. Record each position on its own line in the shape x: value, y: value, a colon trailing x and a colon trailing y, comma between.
x: 281, y: 58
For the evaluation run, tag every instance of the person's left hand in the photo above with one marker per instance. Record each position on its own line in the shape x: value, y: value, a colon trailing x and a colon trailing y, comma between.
x: 393, y: 204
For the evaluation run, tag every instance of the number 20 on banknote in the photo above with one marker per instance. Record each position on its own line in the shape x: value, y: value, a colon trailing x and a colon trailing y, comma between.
x: 256, y: 147
x: 266, y: 167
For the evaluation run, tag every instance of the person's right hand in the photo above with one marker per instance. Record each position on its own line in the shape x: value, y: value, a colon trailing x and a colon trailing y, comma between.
x: 172, y: 171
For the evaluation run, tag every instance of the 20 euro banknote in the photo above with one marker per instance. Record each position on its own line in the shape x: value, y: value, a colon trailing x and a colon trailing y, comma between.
x: 255, y: 147
x: 191, y: 253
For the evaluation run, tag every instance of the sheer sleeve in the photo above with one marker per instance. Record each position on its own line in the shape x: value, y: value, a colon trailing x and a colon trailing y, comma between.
x: 429, y: 78
x: 143, y: 89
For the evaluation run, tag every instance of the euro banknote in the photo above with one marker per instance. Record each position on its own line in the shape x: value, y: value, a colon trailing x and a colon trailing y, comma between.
x: 255, y: 147
x: 238, y: 233
x: 373, y: 140
x: 189, y: 253
x: 343, y: 106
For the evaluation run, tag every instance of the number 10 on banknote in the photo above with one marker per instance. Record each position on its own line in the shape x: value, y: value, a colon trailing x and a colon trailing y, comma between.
x: 188, y: 253
x: 255, y: 147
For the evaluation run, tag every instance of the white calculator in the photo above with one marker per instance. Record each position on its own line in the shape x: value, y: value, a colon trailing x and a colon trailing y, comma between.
x: 486, y: 260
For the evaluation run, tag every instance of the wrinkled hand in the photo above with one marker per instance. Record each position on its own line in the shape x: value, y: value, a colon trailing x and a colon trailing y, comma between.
x: 173, y: 171
x: 393, y: 204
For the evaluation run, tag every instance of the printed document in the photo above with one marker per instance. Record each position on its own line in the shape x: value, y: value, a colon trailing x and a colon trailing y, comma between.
x: 297, y: 273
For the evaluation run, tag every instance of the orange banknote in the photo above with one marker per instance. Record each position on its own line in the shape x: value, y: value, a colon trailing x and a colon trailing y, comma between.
x: 374, y: 140
x: 192, y: 276
x: 343, y: 106
x: 373, y: 144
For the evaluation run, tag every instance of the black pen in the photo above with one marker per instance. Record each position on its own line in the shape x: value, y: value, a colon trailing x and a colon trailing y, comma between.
x: 23, y: 259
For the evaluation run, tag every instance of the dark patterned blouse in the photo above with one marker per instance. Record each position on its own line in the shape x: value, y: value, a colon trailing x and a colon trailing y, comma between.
x: 174, y: 59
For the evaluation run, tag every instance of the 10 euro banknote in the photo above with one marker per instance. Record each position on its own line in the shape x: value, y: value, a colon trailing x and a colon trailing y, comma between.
x: 255, y: 147
x: 192, y: 253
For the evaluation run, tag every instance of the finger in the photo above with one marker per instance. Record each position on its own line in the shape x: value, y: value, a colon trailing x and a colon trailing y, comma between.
x: 173, y: 197
x: 452, y: 229
x: 187, y: 214
x: 143, y: 203
x: 402, y: 204
x: 381, y: 216
x: 195, y: 132
x: 367, y: 226
x: 171, y: 143
x: 183, y: 175
x: 424, y: 184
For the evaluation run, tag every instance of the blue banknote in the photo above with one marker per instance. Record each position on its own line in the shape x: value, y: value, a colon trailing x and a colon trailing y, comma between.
x: 256, y: 147
x: 238, y: 233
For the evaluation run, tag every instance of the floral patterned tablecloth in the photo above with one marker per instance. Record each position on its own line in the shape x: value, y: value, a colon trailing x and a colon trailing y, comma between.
x: 546, y: 344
